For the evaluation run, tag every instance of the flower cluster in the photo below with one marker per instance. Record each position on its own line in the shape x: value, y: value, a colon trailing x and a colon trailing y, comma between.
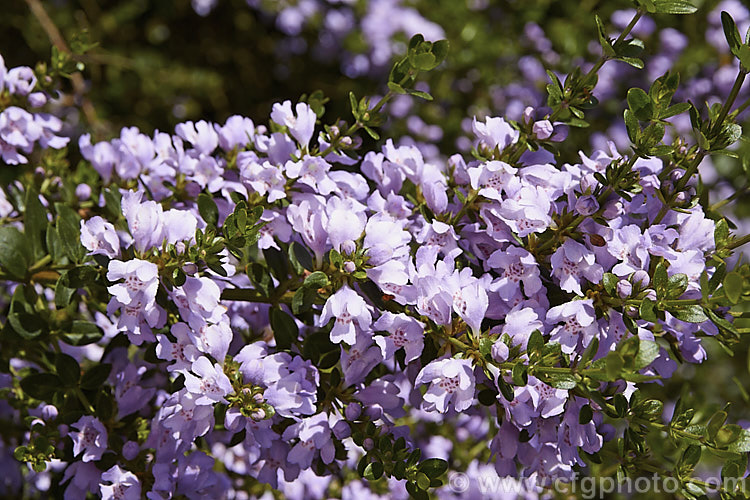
x: 272, y: 306
x: 21, y: 130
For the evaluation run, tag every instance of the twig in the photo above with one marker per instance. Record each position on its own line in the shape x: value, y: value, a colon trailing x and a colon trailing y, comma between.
x: 54, y: 35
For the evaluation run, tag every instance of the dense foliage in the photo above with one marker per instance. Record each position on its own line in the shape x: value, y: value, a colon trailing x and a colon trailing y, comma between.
x: 515, y: 263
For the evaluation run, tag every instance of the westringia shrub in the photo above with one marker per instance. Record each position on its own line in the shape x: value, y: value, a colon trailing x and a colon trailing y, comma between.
x: 238, y: 308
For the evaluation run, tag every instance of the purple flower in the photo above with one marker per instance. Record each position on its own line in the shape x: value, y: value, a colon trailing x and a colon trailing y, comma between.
x: 519, y: 324
x: 579, y: 326
x: 351, y: 313
x: 517, y: 266
x: 100, y: 237
x: 404, y: 331
x: 630, y: 246
x: 91, y: 438
x: 209, y: 383
x: 495, y: 133
x: 20, y: 80
x: 571, y: 262
x: 543, y: 129
x: 311, y: 171
x: 346, y: 221
x: 265, y: 179
x: 84, y: 478
x: 587, y: 205
x: 140, y: 281
x: 359, y: 360
x: 490, y: 178
x: 314, y: 434
x: 201, y: 135
x: 130, y: 395
x: 125, y: 485
x: 300, y: 126
x: 145, y: 220
x: 451, y: 381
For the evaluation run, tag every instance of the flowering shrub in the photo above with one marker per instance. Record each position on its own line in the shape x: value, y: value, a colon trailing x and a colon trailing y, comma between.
x: 237, y: 308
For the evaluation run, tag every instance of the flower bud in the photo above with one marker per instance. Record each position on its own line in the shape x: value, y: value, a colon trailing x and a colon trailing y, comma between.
x: 83, y: 192
x: 49, y: 412
x: 587, y: 205
x: 350, y: 266
x: 130, y: 450
x: 374, y: 412
x: 37, y: 99
x: 528, y: 114
x: 342, y: 430
x: 543, y: 129
x: 612, y: 209
x: 368, y: 444
x: 640, y: 278
x: 352, y: 411
x: 348, y: 247
x: 500, y: 351
x: 190, y: 269
x: 624, y: 289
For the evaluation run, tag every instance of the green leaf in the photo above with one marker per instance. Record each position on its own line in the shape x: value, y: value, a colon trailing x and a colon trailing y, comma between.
x: 661, y: 279
x: 433, y: 467
x: 640, y: 104
x: 731, y: 32
x: 68, y: 227
x: 690, y: 314
x: 633, y: 61
x: 41, y: 385
x: 673, y: 7
x: 715, y: 423
x: 63, y: 293
x: 742, y: 444
x: 373, y: 471
x: 632, y: 127
x: 646, y: 310
x: 419, y: 93
x: 67, y: 369
x: 566, y: 381
x: 354, y: 105
x: 520, y: 374
x: 609, y: 281
x: 95, y: 376
x: 208, y: 210
x: 585, y: 415
x: 674, y: 110
x: 285, y: 330
x: 316, y: 280
x: 607, y: 48
x: 677, y: 285
x: 648, y: 351
x: 14, y: 255
x: 27, y: 325
x: 301, y: 255
x: 35, y: 224
x: 733, y: 286
x: 440, y: 50
x: 690, y: 457
x: 395, y: 87
x: 82, y: 333
x: 277, y: 263
x: 424, y: 61
x: 535, y: 343
x: 372, y: 133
